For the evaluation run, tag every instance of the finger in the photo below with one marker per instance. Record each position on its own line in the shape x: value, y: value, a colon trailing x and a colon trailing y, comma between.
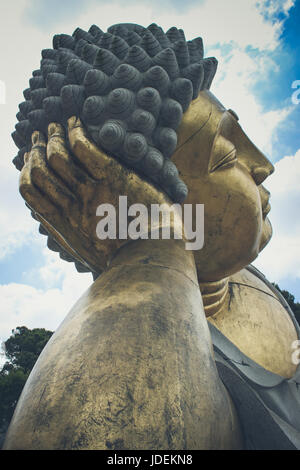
x: 43, y: 178
x: 34, y: 198
x: 38, y: 141
x: 26, y: 157
x: 90, y: 156
x: 50, y: 186
x: 67, y: 240
x: 60, y: 239
x: 61, y: 162
x: 101, y: 166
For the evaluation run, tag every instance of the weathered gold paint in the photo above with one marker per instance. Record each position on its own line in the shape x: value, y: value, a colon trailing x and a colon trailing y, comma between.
x: 132, y: 364
x: 69, y: 209
x: 236, y: 226
x: 213, y: 295
x: 253, y: 318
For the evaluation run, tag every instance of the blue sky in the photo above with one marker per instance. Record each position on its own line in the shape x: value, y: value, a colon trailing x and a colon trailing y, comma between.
x: 277, y: 90
x: 257, y: 44
x: 40, y: 12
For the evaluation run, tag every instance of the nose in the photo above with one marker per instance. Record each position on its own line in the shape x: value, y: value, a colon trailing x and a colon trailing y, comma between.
x: 260, y: 166
x: 257, y: 163
x: 260, y: 173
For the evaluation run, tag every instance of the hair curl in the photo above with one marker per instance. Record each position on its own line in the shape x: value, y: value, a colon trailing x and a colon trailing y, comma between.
x: 130, y: 87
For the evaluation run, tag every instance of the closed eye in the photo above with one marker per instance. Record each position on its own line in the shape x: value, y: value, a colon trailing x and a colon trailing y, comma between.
x: 223, y: 154
x: 229, y: 160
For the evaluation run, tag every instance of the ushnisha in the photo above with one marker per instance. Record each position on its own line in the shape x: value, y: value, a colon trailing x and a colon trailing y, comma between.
x: 130, y: 86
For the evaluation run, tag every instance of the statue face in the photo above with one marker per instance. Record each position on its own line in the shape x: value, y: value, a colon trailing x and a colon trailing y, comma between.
x: 223, y: 170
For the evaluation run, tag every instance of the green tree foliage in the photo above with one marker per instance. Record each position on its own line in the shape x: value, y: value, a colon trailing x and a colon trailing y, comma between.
x: 12, y: 382
x: 24, y: 346
x: 22, y: 350
x: 290, y: 298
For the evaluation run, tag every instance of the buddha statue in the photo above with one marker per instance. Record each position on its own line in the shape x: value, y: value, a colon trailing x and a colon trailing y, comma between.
x: 169, y: 348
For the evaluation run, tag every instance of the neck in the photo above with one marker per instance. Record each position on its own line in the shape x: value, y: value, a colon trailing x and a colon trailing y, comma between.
x: 213, y: 295
x: 169, y: 254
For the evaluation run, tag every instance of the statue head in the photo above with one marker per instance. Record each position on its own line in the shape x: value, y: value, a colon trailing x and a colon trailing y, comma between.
x: 224, y: 170
x: 143, y: 97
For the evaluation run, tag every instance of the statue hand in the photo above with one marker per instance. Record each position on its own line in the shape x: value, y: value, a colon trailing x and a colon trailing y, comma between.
x: 64, y: 189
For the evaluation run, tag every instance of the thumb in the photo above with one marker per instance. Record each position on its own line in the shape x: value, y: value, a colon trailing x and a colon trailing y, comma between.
x: 94, y: 160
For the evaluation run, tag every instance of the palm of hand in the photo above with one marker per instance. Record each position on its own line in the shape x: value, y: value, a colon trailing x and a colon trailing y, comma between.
x: 64, y: 188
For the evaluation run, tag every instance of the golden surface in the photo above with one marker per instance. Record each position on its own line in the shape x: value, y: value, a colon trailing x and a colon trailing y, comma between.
x: 213, y: 295
x: 255, y: 321
x: 65, y: 189
x: 132, y: 364
x: 224, y: 171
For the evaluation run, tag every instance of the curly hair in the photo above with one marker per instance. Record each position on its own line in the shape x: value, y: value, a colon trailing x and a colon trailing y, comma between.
x: 130, y: 87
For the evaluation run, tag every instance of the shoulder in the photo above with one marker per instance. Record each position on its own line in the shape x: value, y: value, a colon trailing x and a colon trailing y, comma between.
x: 258, y: 321
x: 255, y: 279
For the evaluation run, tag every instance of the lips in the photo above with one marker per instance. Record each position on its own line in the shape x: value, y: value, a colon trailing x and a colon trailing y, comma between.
x: 266, y: 209
x: 265, y: 196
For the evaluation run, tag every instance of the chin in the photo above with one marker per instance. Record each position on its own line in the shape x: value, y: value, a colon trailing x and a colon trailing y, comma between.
x: 233, y: 266
x: 266, y: 234
x: 265, y: 237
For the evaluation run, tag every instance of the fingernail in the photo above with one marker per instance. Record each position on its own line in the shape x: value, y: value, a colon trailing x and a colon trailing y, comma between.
x: 74, y: 122
x: 36, y: 138
x: 51, y: 129
x: 55, y: 129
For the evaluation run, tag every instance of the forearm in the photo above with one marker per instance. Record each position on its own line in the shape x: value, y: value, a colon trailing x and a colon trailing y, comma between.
x: 167, y: 341
x: 131, y: 366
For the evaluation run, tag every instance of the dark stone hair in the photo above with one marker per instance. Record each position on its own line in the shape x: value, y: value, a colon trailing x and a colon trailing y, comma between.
x: 130, y: 87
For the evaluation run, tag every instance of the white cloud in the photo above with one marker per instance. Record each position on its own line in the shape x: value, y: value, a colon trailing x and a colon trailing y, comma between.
x: 22, y: 304
x: 233, y: 85
x: 215, y: 20
x: 287, y: 176
x: 269, y: 8
x: 17, y: 226
x: 20, y: 54
x: 280, y: 259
